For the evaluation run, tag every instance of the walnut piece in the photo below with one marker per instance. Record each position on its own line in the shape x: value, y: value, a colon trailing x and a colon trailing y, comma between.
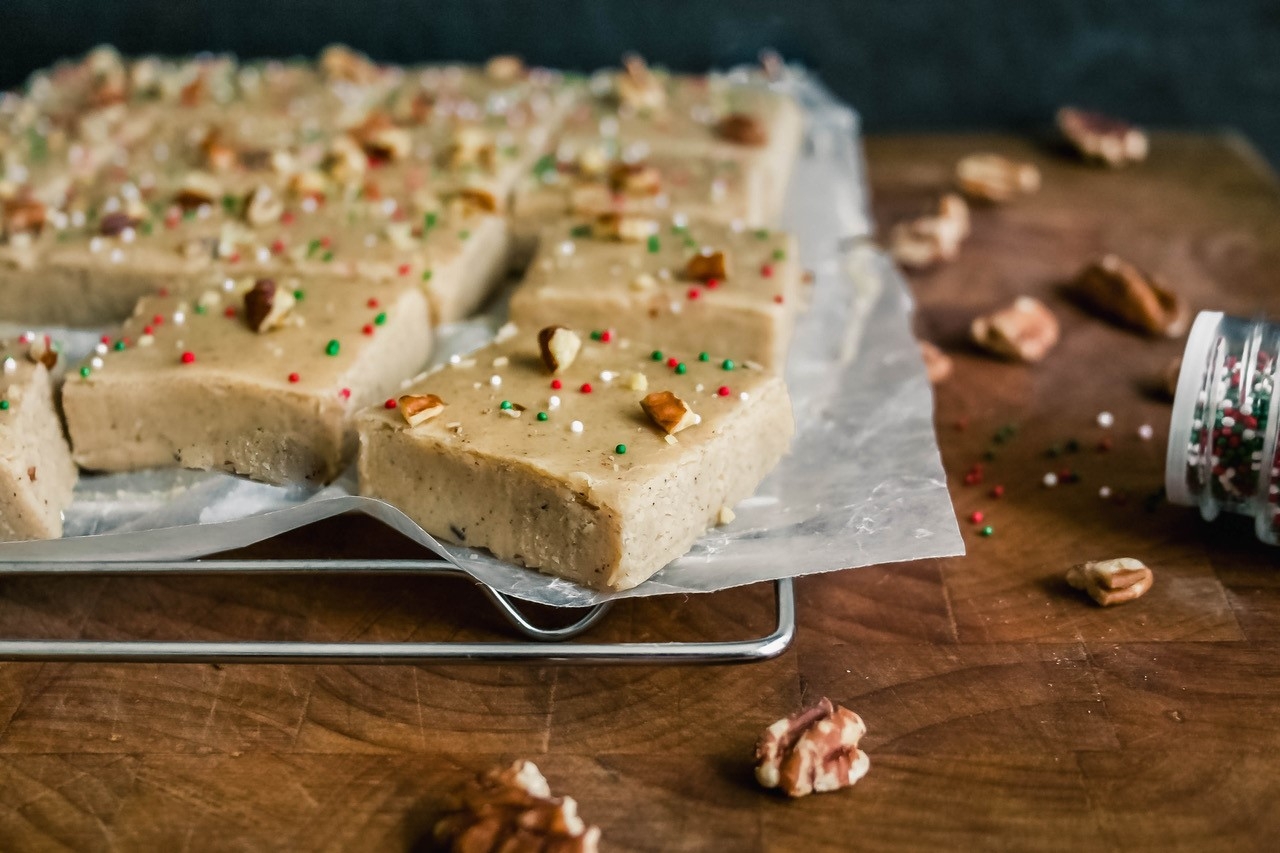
x: 742, y: 129
x: 706, y: 265
x: 1101, y: 138
x: 668, y: 411
x: 623, y: 227
x: 472, y: 146
x: 931, y: 239
x: 1023, y: 331
x: 815, y: 750
x: 937, y: 364
x: 559, y: 347
x: 512, y: 811
x: 419, y: 408
x: 309, y: 183
x: 1112, y: 581
x: 997, y: 179
x: 1124, y: 294
x: 266, y: 305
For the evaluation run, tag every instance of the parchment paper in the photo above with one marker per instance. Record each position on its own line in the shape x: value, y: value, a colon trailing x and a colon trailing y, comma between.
x: 863, y: 484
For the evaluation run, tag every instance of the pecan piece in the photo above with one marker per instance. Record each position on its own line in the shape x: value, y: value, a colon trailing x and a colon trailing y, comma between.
x: 815, y: 750
x: 217, y: 154
x: 512, y: 811
x: 504, y: 68
x: 42, y: 351
x: 116, y: 223
x: 706, y: 265
x: 638, y: 87
x: 992, y: 178
x: 381, y: 140
x: 1112, y: 581
x: 937, y: 364
x: 742, y: 129
x: 620, y: 226
x: 472, y: 146
x: 266, y: 305
x: 339, y: 62
x: 198, y: 188
x: 419, y: 408
x: 1101, y: 138
x: 559, y: 347
x: 473, y: 201
x: 262, y: 206
x: 1124, y: 294
x: 637, y: 179
x: 928, y: 240
x: 23, y: 215
x: 1023, y: 331
x: 668, y: 411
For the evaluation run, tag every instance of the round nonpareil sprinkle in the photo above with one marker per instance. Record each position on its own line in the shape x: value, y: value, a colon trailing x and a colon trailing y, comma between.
x: 1104, y: 492
x: 620, y: 449
x: 704, y: 356
x: 495, y: 380
x: 556, y: 384
x: 681, y: 369
x: 553, y: 402
x: 542, y: 416
x: 504, y: 405
x: 987, y: 531
x: 390, y: 404
x: 1146, y: 432
x: 586, y: 388
x: 293, y: 377
x: 367, y: 329
x: 723, y: 391
x: 693, y: 293
x: 84, y: 372
x: 1106, y: 419
x: 332, y: 347
x: 976, y: 517
x: 727, y: 364
x: 188, y: 357
x: 576, y: 426
x: 4, y: 405
x: 656, y: 355
x: 997, y: 491
x: 1049, y: 480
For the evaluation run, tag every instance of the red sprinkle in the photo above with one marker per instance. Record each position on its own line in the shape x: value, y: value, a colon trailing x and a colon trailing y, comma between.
x: 390, y: 404
x: 404, y: 269
x: 778, y: 299
x: 606, y: 336
x: 230, y: 311
x: 372, y: 303
x: 961, y: 424
x: 345, y: 393
x: 1104, y: 444
x: 293, y: 377
x: 713, y: 283
x: 188, y: 357
x: 157, y: 320
x: 693, y: 293
x: 997, y: 491
x: 767, y: 270
x: 556, y: 384
x: 106, y: 339
x: 586, y: 388
x: 277, y: 247
x: 671, y: 362
x: 976, y: 517
x: 723, y: 390
x: 235, y: 258
x: 367, y: 329
x: 286, y: 218
x: 146, y: 330
x: 164, y: 291
x: 326, y: 242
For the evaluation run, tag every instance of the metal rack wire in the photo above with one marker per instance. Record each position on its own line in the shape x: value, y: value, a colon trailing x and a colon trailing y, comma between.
x: 542, y: 645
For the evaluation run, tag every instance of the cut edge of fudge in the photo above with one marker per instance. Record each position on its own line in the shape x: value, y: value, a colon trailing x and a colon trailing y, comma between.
x: 37, y: 475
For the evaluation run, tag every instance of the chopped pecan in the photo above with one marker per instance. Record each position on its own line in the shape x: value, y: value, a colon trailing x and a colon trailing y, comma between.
x: 198, y: 188
x: 470, y: 201
x: 1101, y: 138
x: 559, y: 347
x: 815, y: 750
x: 1124, y: 294
x: 624, y: 227
x: 937, y: 364
x: 266, y: 305
x: 638, y: 87
x: 218, y: 155
x: 340, y: 63
x: 194, y: 92
x: 706, y: 265
x: 1024, y: 331
x: 1112, y: 581
x: 928, y: 240
x: 992, y: 178
x: 42, y: 351
x: 512, y: 811
x: 668, y: 411
x: 345, y: 161
x: 472, y: 146
x: 23, y: 215
x: 637, y: 179
x: 504, y: 68
x: 308, y: 183
x: 116, y: 223
x: 380, y: 138
x: 419, y: 408
x: 742, y: 129
x: 262, y: 206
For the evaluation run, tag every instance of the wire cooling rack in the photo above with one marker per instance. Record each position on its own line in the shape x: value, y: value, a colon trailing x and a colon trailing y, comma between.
x: 540, y: 645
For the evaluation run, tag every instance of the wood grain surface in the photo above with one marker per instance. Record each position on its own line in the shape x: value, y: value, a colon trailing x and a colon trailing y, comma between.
x: 1004, y: 710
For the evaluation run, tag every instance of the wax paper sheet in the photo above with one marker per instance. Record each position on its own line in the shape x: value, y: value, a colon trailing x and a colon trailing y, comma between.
x: 863, y: 483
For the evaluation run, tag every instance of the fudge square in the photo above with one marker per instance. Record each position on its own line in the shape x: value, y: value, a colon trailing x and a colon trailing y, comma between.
x: 690, y: 285
x: 566, y: 470
x: 36, y: 472
x: 257, y: 377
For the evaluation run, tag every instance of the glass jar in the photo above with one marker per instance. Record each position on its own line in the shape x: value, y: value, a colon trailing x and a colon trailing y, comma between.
x: 1223, y: 451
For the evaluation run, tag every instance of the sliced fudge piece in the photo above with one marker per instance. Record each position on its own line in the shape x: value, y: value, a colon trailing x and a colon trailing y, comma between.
x: 601, y: 471
x: 36, y: 472
x: 254, y: 377
x: 639, y: 112
x: 687, y: 285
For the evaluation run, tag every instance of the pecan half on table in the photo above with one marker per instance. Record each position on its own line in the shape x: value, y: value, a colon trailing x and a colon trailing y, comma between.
x: 815, y: 750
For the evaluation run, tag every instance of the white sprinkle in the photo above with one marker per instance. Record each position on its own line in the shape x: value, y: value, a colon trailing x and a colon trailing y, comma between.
x: 146, y: 340
x: 699, y: 387
x: 1104, y: 492
x: 10, y: 366
x: 179, y: 318
x: 568, y: 248
x: 370, y: 240
x: 1106, y: 419
x: 553, y: 402
x: 204, y: 211
x: 1050, y: 480
x: 117, y: 255
x: 111, y: 205
x: 309, y: 204
x: 95, y: 245
x: 228, y: 284
x: 455, y: 358
x: 680, y: 220
x: 77, y: 218
x: 1228, y: 421
x: 607, y: 375
x: 128, y: 235
x: 576, y: 426
x: 264, y: 254
x: 100, y: 349
x: 1145, y: 432
x: 495, y: 380
x: 501, y: 361
x: 96, y: 363
x: 744, y: 396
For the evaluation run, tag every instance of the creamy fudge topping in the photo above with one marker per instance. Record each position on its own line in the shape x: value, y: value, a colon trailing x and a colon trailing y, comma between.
x: 254, y: 376
x: 36, y: 472
x: 679, y: 282
x: 566, y: 471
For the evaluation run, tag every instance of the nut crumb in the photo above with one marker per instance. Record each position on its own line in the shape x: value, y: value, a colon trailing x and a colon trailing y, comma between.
x: 725, y: 516
x: 559, y: 347
x: 1101, y: 138
x: 419, y: 408
x: 996, y: 179
x: 1111, y: 582
x: 1024, y: 331
x: 668, y: 411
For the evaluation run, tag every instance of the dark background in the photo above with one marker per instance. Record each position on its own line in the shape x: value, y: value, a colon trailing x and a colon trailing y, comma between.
x: 905, y: 64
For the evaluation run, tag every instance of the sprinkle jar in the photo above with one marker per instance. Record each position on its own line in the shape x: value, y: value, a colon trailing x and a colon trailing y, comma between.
x: 1223, y: 450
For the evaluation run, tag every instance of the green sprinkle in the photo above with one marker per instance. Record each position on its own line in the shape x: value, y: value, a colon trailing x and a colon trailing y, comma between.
x: 1073, y: 446
x: 505, y: 405
x: 229, y: 203
x: 313, y: 247
x: 464, y: 234
x: 429, y: 221
x: 762, y: 234
x: 84, y: 372
x: 118, y: 346
x: 779, y: 255
x: 621, y: 449
x: 147, y: 227
x: 989, y: 456
x: 654, y: 244
x: 542, y: 416
x: 189, y: 214
x: 326, y: 257
x: 545, y: 166
x: 595, y: 335
x: 426, y: 275
x: 580, y: 231
x: 656, y: 355
x: 332, y: 347
x: 299, y: 294
x: 381, y: 319
x: 727, y: 364
x: 681, y: 369
x: 4, y: 405
x: 704, y: 356
x: 988, y: 530
x: 200, y: 309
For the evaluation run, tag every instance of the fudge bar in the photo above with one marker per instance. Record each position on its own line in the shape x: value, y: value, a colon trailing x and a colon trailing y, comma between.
x: 595, y: 459
x: 36, y: 472
x: 257, y: 377
x: 684, y: 284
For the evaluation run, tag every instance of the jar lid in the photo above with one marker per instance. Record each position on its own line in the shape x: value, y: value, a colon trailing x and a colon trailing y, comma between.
x: 1204, y: 333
